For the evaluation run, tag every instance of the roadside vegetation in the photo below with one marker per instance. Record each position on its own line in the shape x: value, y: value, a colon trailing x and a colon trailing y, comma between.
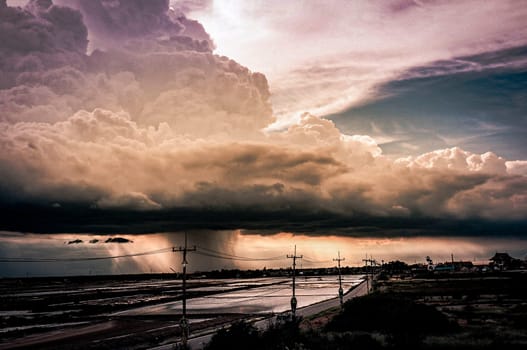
x: 429, y: 313
x: 371, y: 322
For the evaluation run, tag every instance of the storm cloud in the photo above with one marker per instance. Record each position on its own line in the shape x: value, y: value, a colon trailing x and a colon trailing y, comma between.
x: 118, y: 117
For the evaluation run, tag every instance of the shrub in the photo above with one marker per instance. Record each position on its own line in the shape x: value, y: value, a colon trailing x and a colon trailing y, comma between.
x: 403, y: 320
x: 240, y: 335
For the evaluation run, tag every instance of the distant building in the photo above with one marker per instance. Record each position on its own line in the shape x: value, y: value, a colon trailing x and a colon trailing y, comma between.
x: 446, y: 267
x: 463, y: 266
x: 503, y: 261
x: 449, y: 266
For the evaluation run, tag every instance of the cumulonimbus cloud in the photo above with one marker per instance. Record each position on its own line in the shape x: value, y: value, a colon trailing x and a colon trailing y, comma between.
x: 159, y: 124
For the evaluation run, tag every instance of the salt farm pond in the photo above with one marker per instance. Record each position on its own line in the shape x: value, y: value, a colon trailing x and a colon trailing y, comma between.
x: 259, y: 295
x: 92, y: 308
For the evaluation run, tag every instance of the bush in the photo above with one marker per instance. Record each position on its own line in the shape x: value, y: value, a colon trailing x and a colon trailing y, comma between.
x: 341, y: 341
x: 240, y: 335
x: 403, y: 320
x: 282, y: 336
x: 243, y: 335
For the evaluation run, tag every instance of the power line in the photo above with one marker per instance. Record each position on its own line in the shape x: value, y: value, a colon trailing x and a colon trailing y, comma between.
x: 216, y: 254
x: 41, y: 260
x: 203, y: 251
x: 308, y: 260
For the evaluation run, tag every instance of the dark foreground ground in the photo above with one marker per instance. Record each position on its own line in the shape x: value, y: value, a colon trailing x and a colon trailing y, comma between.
x: 483, y: 311
x: 452, y: 311
x: 457, y: 311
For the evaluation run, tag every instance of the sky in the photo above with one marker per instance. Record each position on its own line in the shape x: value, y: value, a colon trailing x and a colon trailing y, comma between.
x: 393, y: 128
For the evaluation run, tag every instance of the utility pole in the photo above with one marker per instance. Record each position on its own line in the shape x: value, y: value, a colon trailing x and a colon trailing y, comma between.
x: 341, y: 291
x: 367, y: 277
x: 183, y: 323
x: 366, y: 261
x: 293, y: 298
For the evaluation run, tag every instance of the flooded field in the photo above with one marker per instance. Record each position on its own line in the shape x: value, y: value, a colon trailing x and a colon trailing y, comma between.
x: 269, y: 295
x: 91, y: 307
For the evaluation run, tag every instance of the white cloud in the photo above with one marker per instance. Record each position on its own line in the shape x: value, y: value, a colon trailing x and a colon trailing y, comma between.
x: 347, y: 48
x: 517, y: 167
x: 458, y: 160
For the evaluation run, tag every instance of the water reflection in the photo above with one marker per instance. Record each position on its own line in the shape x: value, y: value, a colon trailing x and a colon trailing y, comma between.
x: 270, y: 295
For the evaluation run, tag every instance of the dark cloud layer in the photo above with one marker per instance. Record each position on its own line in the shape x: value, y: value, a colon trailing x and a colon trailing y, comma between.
x: 295, y: 219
